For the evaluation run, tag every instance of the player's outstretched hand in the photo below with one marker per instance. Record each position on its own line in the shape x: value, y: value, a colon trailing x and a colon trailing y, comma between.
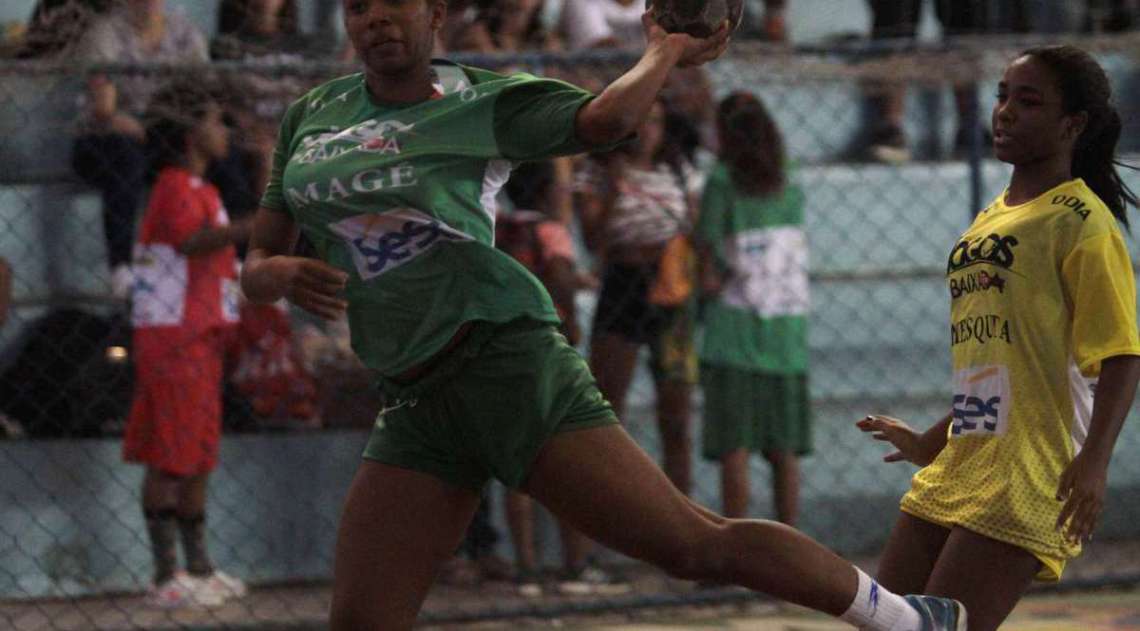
x: 310, y: 284
x: 694, y: 50
x: 908, y: 443
x: 1082, y: 489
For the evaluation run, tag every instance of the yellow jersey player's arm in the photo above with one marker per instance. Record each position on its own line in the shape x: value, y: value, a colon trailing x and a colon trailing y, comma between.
x: 1083, y: 483
x: 271, y: 272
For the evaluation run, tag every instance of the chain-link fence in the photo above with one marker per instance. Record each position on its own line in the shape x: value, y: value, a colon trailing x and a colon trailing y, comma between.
x: 75, y: 547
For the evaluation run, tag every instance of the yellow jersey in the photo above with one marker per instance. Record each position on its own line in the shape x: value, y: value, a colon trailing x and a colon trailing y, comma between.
x: 1040, y: 293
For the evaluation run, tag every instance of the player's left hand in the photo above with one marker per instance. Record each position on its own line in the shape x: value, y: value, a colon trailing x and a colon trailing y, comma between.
x: 694, y: 50
x: 1082, y: 489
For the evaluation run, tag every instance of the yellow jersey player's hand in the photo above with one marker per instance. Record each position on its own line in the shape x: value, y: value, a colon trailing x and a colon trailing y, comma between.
x: 910, y: 445
x: 1082, y: 489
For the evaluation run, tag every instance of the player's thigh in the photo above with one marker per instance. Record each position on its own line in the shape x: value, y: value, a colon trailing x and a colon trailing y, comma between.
x: 911, y: 552
x: 397, y: 528
x: 604, y: 485
x: 986, y: 575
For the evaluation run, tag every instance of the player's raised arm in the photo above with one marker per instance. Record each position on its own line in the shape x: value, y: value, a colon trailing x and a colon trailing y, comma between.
x: 618, y: 110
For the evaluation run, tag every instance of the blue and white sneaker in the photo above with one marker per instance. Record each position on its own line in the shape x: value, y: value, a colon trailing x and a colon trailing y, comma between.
x: 938, y: 614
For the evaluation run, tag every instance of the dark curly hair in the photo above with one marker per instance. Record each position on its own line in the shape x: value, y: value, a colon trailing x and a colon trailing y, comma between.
x: 172, y: 113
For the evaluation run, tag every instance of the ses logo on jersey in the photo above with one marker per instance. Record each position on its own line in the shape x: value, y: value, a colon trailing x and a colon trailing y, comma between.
x: 371, y: 136
x: 382, y: 242
x: 981, y: 401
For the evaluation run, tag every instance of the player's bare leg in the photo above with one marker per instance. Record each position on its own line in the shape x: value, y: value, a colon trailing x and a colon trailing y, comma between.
x: 986, y: 575
x: 910, y: 554
x: 397, y: 529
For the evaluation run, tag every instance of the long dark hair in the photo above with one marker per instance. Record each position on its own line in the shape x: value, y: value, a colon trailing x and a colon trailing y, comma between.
x: 750, y: 144
x: 1085, y: 88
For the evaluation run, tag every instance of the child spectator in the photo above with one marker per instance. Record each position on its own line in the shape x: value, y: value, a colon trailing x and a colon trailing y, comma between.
x: 543, y: 244
x: 754, y: 277
x: 184, y: 303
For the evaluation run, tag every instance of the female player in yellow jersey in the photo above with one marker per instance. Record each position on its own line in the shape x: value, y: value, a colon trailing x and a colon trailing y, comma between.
x: 1043, y: 311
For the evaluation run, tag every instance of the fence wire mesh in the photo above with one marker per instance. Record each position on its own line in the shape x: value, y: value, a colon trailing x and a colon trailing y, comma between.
x: 74, y: 546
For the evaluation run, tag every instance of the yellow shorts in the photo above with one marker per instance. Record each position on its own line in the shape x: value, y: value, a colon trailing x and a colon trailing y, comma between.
x: 1051, y: 566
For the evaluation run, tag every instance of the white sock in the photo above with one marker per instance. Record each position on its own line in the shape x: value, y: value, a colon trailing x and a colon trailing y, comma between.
x: 877, y: 609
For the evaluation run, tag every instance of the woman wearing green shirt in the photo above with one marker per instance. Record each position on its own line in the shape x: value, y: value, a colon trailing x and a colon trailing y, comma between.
x: 392, y: 174
x: 754, y: 350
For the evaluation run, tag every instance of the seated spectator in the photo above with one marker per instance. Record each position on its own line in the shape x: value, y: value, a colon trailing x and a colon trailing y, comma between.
x: 258, y: 29
x: 108, y: 154
x: 602, y: 23
x: 56, y: 25
x: 255, y: 31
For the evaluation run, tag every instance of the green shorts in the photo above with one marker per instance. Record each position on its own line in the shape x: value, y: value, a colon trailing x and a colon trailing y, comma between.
x: 487, y: 408
x: 756, y: 411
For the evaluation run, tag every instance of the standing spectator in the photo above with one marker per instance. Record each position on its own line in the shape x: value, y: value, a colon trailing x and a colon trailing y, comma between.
x: 543, y: 244
x: 645, y: 202
x: 602, y: 23
x: 108, y: 154
x: 257, y: 29
x: 899, y: 19
x: 184, y: 302
x: 754, y: 274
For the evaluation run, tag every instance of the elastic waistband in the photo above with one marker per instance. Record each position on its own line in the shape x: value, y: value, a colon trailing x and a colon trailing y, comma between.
x: 453, y: 361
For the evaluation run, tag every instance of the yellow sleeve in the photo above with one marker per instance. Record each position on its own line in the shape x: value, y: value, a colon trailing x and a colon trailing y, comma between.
x: 1102, y: 291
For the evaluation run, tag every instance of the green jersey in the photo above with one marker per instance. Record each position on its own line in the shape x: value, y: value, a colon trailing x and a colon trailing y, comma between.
x: 403, y: 198
x: 758, y: 321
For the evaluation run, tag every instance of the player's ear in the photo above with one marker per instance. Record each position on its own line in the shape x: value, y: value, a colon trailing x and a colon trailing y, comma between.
x: 438, y: 10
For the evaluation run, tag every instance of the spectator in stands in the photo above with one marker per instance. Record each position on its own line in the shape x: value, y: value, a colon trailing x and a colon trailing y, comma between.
x: 644, y: 200
x: 255, y: 31
x: 9, y: 427
x: 56, y: 25
x: 184, y: 303
x: 108, y: 154
x: 534, y: 236
x: 602, y: 23
x: 769, y: 24
x: 899, y: 19
x: 755, y: 282
x: 258, y: 29
x: 488, y: 26
x: 1111, y: 16
x: 5, y: 290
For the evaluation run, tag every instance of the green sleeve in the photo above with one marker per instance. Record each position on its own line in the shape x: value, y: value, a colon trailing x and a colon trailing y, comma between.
x: 274, y: 198
x: 713, y: 219
x: 534, y: 119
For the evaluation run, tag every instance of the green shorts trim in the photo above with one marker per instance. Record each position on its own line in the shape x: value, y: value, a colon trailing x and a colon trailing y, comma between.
x: 489, y: 406
x: 756, y: 411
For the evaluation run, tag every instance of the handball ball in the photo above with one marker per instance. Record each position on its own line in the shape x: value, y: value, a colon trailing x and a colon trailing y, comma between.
x: 699, y: 18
